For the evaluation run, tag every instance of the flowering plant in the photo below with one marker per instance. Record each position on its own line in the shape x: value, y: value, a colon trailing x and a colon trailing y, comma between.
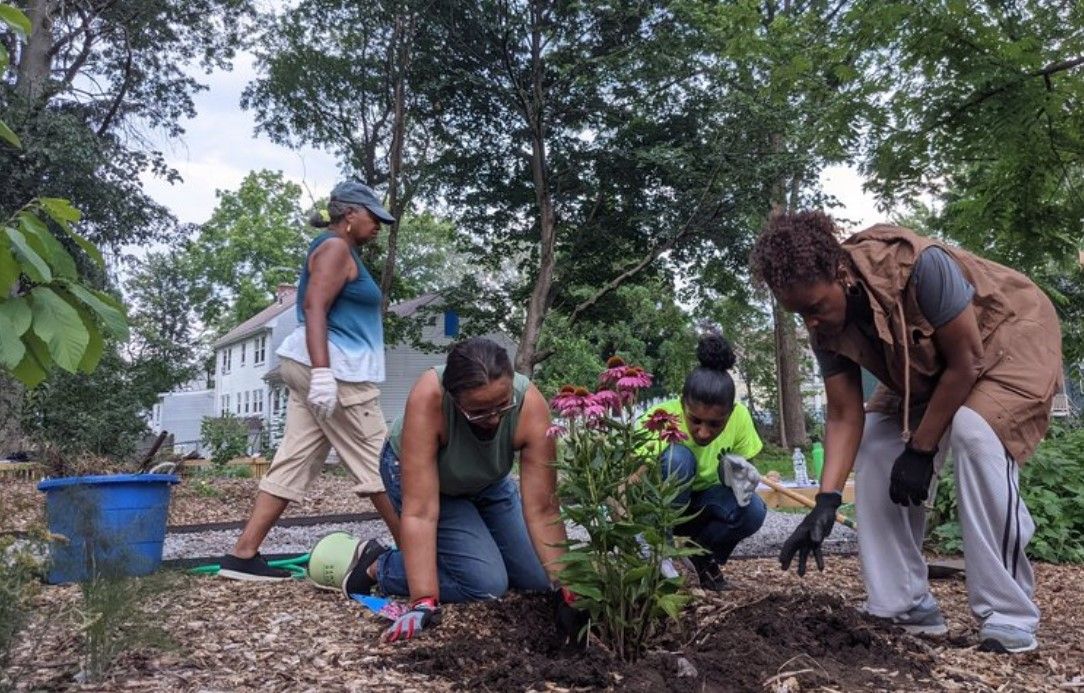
x: 611, y: 484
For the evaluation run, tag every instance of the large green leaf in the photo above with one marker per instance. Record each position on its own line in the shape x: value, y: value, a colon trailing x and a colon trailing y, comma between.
x: 9, y: 135
x: 32, y: 264
x: 14, y: 17
x: 17, y: 311
x: 35, y: 364
x: 89, y: 248
x: 112, y: 318
x: 9, y: 267
x: 59, y: 326
x: 60, y: 210
x: 55, y: 253
x: 11, y: 345
x: 95, y: 347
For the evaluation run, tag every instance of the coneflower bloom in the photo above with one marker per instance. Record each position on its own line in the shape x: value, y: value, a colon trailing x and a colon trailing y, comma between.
x: 556, y: 431
x: 608, y: 399
x: 634, y: 378
x: 672, y: 434
x: 660, y: 420
x: 615, y: 368
x: 574, y: 401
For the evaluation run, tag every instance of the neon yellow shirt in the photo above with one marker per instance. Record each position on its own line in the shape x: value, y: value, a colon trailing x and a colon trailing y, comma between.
x: 739, y: 436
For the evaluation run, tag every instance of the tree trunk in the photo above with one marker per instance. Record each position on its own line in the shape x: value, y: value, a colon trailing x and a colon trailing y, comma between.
x: 404, y: 34
x: 547, y: 223
x: 35, y: 63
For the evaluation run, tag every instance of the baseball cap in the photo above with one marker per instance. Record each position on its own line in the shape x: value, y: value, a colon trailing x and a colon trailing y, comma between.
x: 355, y: 193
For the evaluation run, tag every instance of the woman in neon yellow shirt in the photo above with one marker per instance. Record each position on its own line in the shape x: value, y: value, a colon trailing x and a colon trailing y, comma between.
x: 713, y: 424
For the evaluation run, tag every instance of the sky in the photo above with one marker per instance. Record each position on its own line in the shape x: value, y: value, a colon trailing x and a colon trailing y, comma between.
x: 220, y: 147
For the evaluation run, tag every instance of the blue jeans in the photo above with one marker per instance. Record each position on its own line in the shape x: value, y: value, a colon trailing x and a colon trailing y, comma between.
x: 721, y: 523
x: 483, y: 548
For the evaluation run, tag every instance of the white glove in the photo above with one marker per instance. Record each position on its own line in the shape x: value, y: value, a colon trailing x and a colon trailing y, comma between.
x: 741, y: 476
x: 323, y: 393
x: 666, y: 566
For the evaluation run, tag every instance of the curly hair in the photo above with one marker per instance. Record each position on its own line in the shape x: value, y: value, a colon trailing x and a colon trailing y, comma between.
x: 797, y: 248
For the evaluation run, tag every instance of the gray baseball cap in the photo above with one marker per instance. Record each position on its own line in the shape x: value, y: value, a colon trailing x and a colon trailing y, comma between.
x: 355, y: 193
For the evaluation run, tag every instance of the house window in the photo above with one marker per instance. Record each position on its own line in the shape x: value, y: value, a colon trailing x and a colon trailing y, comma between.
x: 237, y: 404
x: 243, y: 344
x: 451, y: 323
x: 225, y: 404
x: 224, y: 368
x: 259, y: 349
x: 227, y: 360
x: 276, y: 403
x: 246, y: 401
x: 257, y: 401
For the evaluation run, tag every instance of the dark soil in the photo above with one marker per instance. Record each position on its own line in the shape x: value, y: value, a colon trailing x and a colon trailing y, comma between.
x: 814, y: 638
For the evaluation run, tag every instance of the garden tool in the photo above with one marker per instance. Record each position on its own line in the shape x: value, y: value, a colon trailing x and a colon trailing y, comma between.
x: 840, y: 518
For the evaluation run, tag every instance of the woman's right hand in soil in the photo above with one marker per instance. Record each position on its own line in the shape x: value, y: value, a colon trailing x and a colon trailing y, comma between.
x: 813, y: 530
x: 323, y: 393
x: 571, y: 622
x: 424, y: 613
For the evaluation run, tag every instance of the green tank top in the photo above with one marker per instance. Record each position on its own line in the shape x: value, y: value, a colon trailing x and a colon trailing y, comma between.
x: 466, y: 465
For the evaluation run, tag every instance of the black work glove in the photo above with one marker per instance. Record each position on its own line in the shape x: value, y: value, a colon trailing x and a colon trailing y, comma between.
x: 911, y: 475
x: 814, y: 529
x: 571, y: 622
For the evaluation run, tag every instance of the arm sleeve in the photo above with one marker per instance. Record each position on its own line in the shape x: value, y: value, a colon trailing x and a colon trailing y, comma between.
x: 943, y: 291
x: 832, y: 363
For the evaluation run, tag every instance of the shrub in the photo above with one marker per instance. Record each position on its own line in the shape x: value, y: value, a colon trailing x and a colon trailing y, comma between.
x: 613, y: 487
x: 226, y: 436
x: 1052, y: 486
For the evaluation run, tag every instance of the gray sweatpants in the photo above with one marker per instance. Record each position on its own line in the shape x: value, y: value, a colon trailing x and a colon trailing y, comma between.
x: 995, y: 524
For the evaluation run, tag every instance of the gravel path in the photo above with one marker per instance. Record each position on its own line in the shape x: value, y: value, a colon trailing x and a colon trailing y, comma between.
x: 765, y: 543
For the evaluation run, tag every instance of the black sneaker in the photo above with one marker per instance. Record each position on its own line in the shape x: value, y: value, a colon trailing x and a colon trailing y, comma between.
x: 709, y: 574
x: 357, y: 580
x: 253, y: 569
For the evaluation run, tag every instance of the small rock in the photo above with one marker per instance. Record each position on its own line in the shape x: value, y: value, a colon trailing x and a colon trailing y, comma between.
x: 685, y: 669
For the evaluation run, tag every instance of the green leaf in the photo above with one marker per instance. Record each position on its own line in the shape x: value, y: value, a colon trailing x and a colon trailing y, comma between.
x: 57, y: 323
x: 61, y: 210
x: 14, y: 17
x: 112, y: 318
x: 34, y: 367
x: 17, y: 311
x: 11, y: 344
x: 9, y: 267
x: 9, y: 135
x: 32, y: 264
x: 89, y: 248
x: 95, y: 346
x: 48, y: 246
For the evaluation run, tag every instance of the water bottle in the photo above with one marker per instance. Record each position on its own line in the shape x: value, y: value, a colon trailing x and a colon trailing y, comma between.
x: 801, y: 477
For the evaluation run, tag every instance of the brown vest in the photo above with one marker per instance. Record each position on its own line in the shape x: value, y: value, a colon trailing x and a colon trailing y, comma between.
x: 1020, y: 333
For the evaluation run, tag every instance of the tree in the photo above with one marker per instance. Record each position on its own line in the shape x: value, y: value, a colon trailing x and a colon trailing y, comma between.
x: 255, y: 240
x: 90, y: 81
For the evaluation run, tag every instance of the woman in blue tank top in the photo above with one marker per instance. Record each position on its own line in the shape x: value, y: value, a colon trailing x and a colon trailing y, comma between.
x: 332, y: 365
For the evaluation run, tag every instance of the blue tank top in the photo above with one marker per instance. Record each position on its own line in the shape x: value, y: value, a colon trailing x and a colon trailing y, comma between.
x: 355, y: 332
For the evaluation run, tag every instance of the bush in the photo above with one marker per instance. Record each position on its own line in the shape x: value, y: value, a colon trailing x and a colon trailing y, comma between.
x: 1052, y: 486
x: 616, y: 573
x: 226, y: 436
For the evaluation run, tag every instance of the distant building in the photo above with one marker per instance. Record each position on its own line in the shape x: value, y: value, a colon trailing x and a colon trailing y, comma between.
x: 246, y: 383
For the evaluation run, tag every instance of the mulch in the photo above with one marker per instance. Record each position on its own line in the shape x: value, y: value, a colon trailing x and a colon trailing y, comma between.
x: 770, y: 631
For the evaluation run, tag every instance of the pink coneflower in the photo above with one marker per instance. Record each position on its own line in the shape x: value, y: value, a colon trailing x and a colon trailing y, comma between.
x: 615, y: 368
x: 634, y: 379
x: 660, y: 420
x: 571, y: 401
x: 556, y: 431
x: 608, y: 399
x: 672, y: 434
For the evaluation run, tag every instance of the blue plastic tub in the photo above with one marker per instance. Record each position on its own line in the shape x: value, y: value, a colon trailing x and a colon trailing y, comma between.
x: 113, y: 525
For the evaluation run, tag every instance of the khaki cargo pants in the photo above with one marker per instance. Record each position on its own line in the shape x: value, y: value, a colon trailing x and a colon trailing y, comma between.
x: 356, y: 430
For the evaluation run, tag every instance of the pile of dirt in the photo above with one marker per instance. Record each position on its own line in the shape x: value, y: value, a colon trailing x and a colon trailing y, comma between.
x: 813, y: 639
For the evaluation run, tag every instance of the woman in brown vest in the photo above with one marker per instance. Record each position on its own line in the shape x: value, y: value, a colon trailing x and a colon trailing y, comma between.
x: 968, y: 355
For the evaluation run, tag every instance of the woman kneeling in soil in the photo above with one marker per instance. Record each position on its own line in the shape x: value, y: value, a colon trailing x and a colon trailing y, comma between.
x: 466, y: 536
x: 722, y: 487
x: 968, y: 356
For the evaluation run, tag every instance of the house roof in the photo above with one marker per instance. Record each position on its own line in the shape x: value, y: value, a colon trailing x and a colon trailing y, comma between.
x: 286, y: 301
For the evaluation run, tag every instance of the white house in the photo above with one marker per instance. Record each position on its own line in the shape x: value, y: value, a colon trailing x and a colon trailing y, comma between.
x: 245, y: 383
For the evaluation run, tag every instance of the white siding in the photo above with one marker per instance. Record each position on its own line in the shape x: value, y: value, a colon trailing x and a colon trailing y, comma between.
x: 181, y: 413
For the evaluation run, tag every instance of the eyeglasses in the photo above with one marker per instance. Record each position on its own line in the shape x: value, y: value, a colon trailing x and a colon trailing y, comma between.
x: 482, y: 416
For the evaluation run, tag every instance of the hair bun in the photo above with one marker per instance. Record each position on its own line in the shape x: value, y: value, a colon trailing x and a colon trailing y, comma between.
x: 714, y: 352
